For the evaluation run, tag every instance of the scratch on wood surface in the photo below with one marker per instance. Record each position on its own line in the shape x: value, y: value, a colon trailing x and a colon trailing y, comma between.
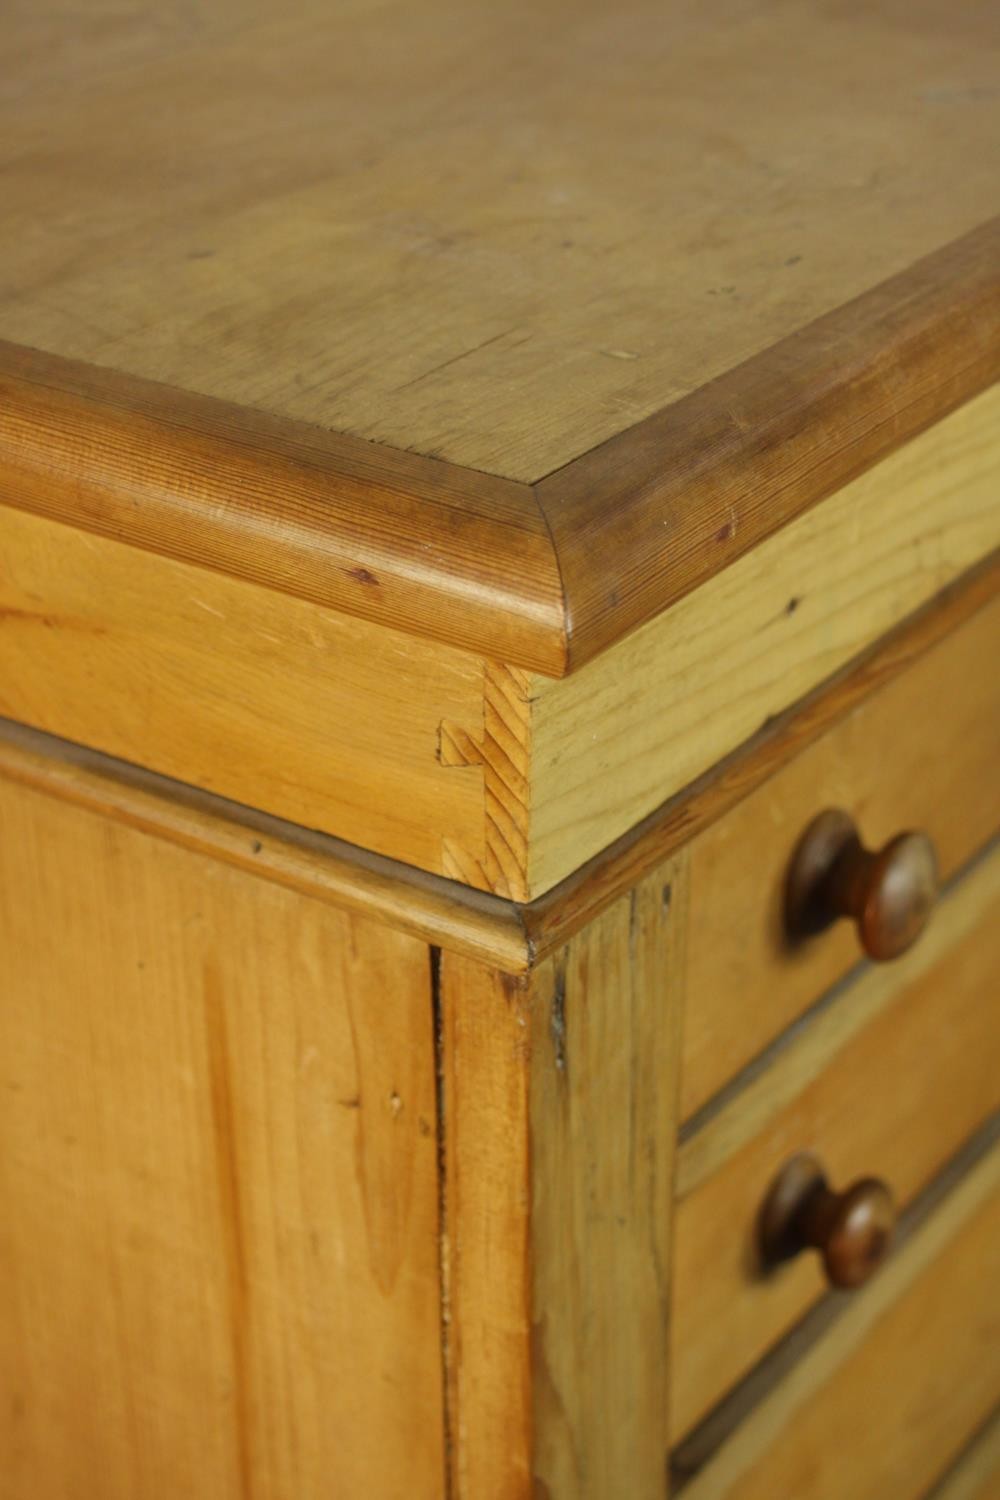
x: 208, y: 608
x: 465, y: 354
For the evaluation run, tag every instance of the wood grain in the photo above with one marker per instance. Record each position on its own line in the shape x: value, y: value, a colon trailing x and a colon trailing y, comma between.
x: 918, y: 1350
x: 826, y: 1092
x: 606, y: 1040
x: 552, y: 919
x: 320, y: 360
x: 460, y: 766
x: 314, y: 716
x: 894, y: 766
x: 411, y: 225
x: 313, y: 864
x: 629, y: 730
x: 388, y: 537
x: 219, y: 1226
x: 559, y: 1094
x: 502, y: 752
x: 484, y: 1059
x: 803, y: 1056
x: 513, y: 937
x: 644, y: 518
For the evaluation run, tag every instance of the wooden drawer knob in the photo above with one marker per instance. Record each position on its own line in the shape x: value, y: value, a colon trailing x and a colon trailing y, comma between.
x: 851, y: 1230
x: 889, y: 893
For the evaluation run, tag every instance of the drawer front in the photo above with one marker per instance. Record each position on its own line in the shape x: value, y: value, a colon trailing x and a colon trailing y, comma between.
x: 922, y: 752
x: 218, y: 1195
x: 887, y: 1079
x: 975, y: 1475
x: 905, y: 1377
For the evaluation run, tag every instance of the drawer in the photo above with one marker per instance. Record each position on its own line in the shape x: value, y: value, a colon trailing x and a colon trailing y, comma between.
x: 888, y: 1078
x: 921, y: 752
x: 888, y: 1395
x: 975, y: 1475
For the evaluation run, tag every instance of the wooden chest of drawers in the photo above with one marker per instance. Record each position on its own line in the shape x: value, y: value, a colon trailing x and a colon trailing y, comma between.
x: 500, y: 753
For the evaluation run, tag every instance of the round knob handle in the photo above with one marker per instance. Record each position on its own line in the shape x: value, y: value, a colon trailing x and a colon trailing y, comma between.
x: 889, y: 893
x: 851, y: 1230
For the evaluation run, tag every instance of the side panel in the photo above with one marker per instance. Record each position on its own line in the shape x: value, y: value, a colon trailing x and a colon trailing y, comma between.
x: 219, y: 1268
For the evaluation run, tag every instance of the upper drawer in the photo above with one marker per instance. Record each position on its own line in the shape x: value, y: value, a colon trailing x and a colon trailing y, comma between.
x: 888, y: 1079
x: 922, y: 753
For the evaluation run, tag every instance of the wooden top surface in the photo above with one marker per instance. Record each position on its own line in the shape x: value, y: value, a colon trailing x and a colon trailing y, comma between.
x: 503, y: 236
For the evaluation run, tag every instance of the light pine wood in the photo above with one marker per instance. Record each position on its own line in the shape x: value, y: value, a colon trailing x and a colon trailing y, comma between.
x: 893, y: 765
x: 298, y: 711
x: 512, y: 938
x: 603, y: 1115
x: 411, y: 224
x: 543, y: 577
x: 256, y: 290
x: 552, y: 919
x: 389, y: 537
x: 976, y: 1474
x: 903, y: 1378
x: 626, y: 732
x: 641, y: 520
x: 485, y: 1051
x: 559, y: 1103
x: 460, y: 766
x: 312, y: 864
x: 501, y: 753
x: 804, y: 1057
x: 219, y: 1240
x: 889, y: 1080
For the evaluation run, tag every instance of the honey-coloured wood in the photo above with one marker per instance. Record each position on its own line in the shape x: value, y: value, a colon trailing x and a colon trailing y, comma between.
x: 219, y: 1237
x: 434, y: 441
x: 464, y: 766
x: 522, y: 419
x: 975, y: 1475
x: 891, y: 1393
x: 559, y: 1097
x: 316, y: 717
x: 936, y: 773
x: 322, y: 254
x: 822, y: 714
x: 766, y: 439
x: 937, y: 652
x: 313, y: 864
x: 387, y: 537
x: 614, y: 740
x: 888, y: 1079
x: 852, y: 1229
x: 484, y: 1052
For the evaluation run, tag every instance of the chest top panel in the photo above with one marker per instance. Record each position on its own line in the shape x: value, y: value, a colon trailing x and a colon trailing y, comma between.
x: 504, y: 324
x: 498, y: 234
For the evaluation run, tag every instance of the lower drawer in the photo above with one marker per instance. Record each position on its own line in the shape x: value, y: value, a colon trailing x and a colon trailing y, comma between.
x: 888, y: 1078
x: 885, y: 1399
x: 975, y: 1474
